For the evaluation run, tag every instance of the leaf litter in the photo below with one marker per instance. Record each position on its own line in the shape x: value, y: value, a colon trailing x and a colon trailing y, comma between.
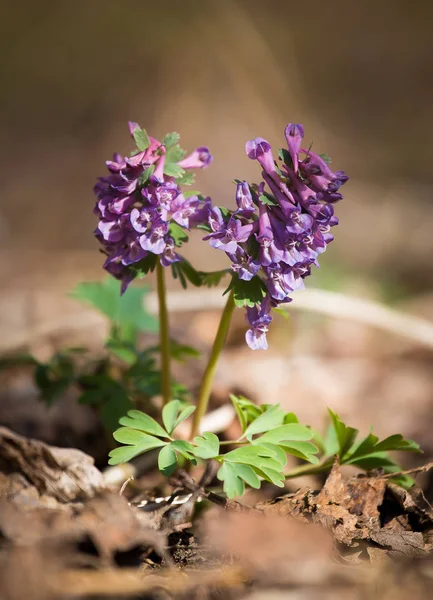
x: 75, y: 538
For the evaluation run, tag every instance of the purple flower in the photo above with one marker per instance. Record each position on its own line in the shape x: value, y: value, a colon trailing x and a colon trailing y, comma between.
x: 271, y: 251
x: 153, y: 240
x: 132, y: 252
x: 169, y: 254
x: 242, y: 264
x: 183, y: 209
x: 279, y: 280
x: 199, y: 159
x: 294, y: 134
x: 293, y: 226
x: 226, y: 236
x: 141, y: 218
x: 260, y: 150
x: 135, y: 211
x: 258, y: 319
x: 244, y: 200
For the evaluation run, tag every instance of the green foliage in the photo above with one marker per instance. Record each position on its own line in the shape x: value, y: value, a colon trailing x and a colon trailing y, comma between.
x: 54, y: 377
x: 368, y: 454
x: 178, y: 234
x: 247, y: 293
x: 325, y: 157
x: 171, y: 139
x: 173, y: 170
x: 267, y: 199
x: 125, y: 310
x: 187, y: 178
x: 269, y: 434
x: 141, y: 139
x: 146, y: 175
x: 108, y: 394
x: 184, y: 271
x: 207, y: 445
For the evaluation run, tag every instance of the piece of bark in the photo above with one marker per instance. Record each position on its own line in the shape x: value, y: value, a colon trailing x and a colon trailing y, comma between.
x: 66, y: 474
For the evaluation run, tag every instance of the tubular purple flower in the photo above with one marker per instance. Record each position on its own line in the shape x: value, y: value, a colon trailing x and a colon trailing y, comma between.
x: 133, y: 252
x: 158, y: 174
x: 270, y: 250
x: 153, y: 240
x: 259, y: 319
x: 242, y: 264
x: 199, y: 159
x: 169, y: 255
x: 244, y: 200
x: 294, y: 134
x: 229, y: 234
x: 260, y: 150
x: 278, y: 282
x: 292, y: 227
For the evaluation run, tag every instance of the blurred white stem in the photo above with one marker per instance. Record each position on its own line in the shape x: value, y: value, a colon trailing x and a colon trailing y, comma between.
x: 333, y: 304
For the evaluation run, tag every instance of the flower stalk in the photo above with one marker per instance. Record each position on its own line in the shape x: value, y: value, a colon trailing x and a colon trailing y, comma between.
x: 164, y: 338
x: 209, y: 374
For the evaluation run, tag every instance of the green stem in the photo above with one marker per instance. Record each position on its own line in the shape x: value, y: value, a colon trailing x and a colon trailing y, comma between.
x: 206, y: 384
x: 164, y: 339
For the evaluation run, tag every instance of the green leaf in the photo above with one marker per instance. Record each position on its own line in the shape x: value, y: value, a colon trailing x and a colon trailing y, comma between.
x: 178, y: 234
x: 397, y: 442
x: 122, y: 454
x: 183, y: 415
x: 141, y: 139
x: 268, y: 420
x: 254, y: 456
x: 233, y: 485
x: 234, y: 475
x: 182, y: 352
x: 239, y: 412
x: 171, y: 169
x: 279, y: 454
x: 174, y: 154
x: 145, y: 265
x: 284, y: 155
x: 167, y: 460
x: 190, y: 272
x: 282, y: 312
x: 267, y: 200
x: 171, y: 139
x: 190, y: 193
x: 125, y: 435
x: 139, y: 420
x: 126, y: 309
x: 185, y: 449
x: 125, y: 352
x: 18, y: 360
x: 247, y: 293
x: 274, y: 476
x: 326, y: 158
x: 115, y: 403
x: 290, y: 417
x: 345, y: 435
x: 285, y: 433
x: 187, y: 178
x: 169, y: 414
x: 212, y: 278
x: 138, y: 442
x: 208, y: 445
x: 304, y: 450
x: 146, y: 175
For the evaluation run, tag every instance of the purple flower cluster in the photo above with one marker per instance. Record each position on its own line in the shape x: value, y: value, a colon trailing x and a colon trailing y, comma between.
x: 277, y: 232
x: 138, y: 201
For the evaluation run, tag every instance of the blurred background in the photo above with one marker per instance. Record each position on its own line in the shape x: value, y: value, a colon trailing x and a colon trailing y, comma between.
x: 358, y: 75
